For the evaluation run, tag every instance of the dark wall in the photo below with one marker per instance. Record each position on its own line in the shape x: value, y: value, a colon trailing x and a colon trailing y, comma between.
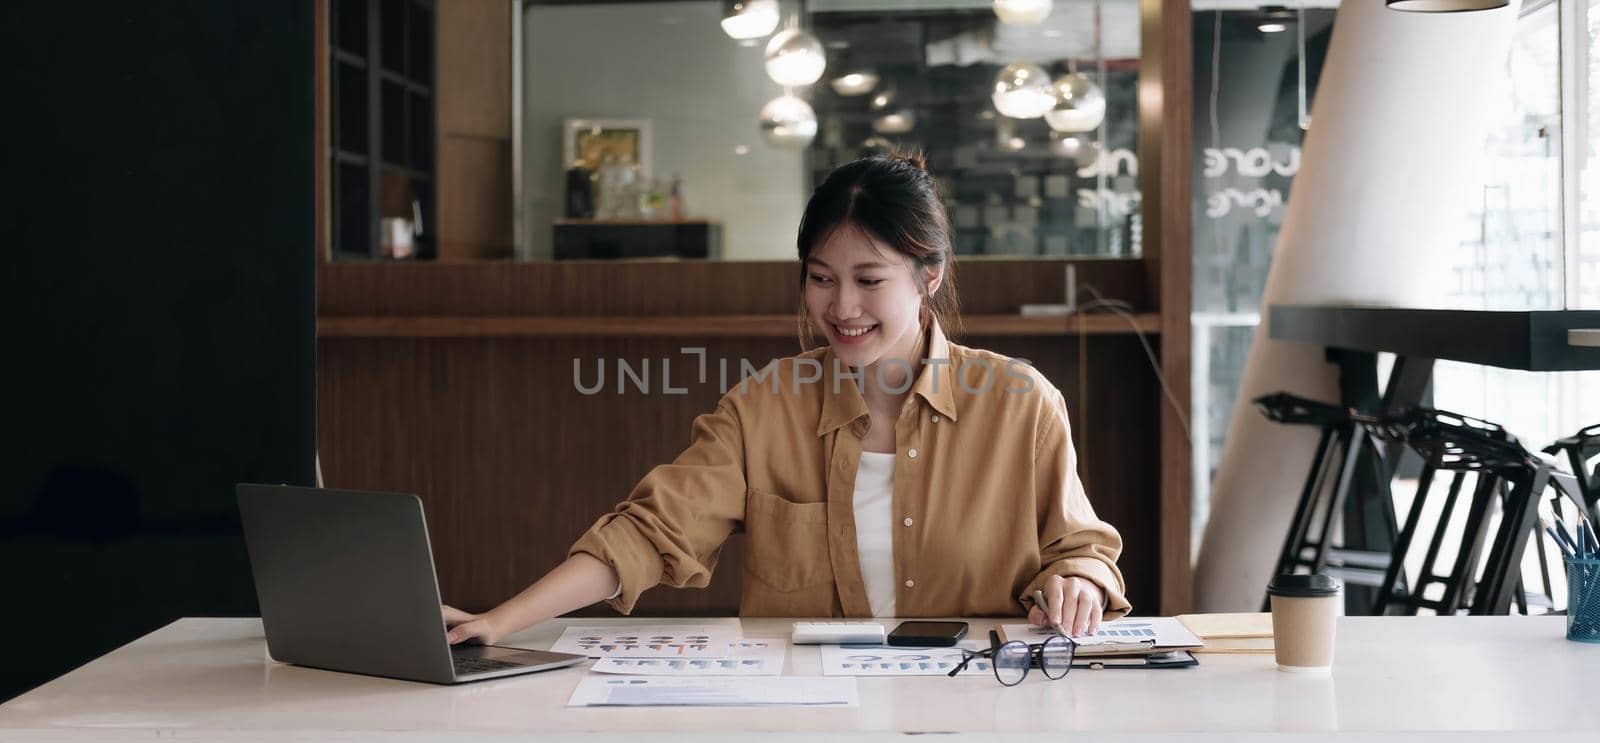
x: 159, y: 313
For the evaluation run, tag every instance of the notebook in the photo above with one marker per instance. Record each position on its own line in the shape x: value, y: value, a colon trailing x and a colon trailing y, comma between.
x: 1245, y: 632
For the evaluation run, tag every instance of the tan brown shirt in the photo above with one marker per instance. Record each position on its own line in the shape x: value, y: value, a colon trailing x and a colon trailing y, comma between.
x: 987, y: 500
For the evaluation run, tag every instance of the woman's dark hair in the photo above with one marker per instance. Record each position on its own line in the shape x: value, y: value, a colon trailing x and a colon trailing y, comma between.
x: 893, y: 200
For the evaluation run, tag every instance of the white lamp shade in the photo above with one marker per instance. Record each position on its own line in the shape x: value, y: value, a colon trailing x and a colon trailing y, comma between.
x: 1022, y: 12
x: 1022, y: 91
x: 898, y: 122
x: 795, y: 58
x: 1446, y: 6
x: 787, y: 121
x: 855, y: 83
x: 1079, y: 105
x: 749, y: 19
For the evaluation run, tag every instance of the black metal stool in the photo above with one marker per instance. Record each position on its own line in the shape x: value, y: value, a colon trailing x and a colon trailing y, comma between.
x: 1507, y: 475
x: 1580, y: 448
x: 1346, y: 435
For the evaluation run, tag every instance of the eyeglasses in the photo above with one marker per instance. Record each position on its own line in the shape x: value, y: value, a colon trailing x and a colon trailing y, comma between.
x: 1012, y: 660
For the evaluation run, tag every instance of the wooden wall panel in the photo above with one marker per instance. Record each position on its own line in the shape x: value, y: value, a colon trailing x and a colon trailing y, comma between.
x: 686, y: 288
x: 474, y: 68
x: 513, y: 463
x: 474, y: 198
x: 1166, y: 115
x: 473, y: 123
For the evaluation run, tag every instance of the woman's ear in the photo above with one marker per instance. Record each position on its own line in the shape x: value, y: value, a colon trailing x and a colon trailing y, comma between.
x: 935, y: 279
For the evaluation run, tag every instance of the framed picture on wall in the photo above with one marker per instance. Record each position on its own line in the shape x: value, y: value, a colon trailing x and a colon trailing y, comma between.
x: 587, y: 142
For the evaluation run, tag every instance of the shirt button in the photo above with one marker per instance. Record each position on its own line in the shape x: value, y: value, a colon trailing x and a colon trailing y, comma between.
x: 911, y: 584
x: 908, y: 521
x: 912, y: 453
x: 935, y: 417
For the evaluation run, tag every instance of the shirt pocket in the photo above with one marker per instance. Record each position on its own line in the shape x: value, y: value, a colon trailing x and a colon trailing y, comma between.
x: 786, y: 543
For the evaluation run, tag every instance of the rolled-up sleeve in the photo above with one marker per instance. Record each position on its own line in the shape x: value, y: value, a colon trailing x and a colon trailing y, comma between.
x: 1073, y: 542
x: 671, y: 528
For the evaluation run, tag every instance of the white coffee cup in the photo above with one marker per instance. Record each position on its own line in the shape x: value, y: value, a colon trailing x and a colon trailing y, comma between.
x: 1305, y: 611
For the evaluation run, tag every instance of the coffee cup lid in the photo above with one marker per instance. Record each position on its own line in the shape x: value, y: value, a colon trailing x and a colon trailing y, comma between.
x: 1304, y: 585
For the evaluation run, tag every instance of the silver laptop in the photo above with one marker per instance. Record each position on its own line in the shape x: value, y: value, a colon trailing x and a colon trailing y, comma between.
x: 346, y: 583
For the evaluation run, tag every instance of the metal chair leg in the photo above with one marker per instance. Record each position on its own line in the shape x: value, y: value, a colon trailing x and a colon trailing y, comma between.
x: 1402, y: 545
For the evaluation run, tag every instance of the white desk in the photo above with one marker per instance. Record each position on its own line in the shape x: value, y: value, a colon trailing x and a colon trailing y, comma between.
x: 210, y: 679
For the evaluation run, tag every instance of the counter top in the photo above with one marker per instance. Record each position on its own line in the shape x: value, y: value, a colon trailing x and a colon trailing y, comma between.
x: 211, y: 679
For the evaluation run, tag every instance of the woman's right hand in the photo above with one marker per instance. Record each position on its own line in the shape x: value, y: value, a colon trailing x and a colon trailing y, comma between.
x: 465, y: 627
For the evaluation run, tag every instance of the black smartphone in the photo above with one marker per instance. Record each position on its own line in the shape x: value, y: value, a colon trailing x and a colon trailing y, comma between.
x: 921, y: 634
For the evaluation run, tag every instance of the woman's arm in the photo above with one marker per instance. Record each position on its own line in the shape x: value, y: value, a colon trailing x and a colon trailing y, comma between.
x: 669, y: 530
x: 1077, y: 551
x: 580, y: 581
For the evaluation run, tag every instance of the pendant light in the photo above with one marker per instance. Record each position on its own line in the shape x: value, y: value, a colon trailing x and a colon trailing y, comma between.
x: 1274, y: 19
x: 860, y: 82
x: 1445, y: 6
x: 1022, y: 12
x: 1022, y: 91
x: 898, y: 122
x: 788, y: 122
x: 1006, y: 137
x: 794, y: 57
x: 1066, y: 145
x: 749, y: 19
x: 1080, y: 106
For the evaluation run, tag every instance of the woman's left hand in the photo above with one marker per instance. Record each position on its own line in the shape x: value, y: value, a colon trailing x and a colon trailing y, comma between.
x: 1075, y: 603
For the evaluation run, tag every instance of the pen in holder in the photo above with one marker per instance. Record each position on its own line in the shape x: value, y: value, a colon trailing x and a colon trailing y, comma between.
x: 1583, y: 598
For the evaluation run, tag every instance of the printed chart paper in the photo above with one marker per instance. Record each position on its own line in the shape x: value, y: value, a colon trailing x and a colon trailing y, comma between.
x: 652, y: 641
x: 739, y: 658
x: 656, y: 691
x: 884, y: 660
x: 1127, y: 633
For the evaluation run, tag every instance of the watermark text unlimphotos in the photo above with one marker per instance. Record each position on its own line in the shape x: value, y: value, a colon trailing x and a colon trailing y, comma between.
x: 634, y: 377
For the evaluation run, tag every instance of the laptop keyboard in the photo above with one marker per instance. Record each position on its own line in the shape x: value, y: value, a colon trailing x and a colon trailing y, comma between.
x: 481, y: 665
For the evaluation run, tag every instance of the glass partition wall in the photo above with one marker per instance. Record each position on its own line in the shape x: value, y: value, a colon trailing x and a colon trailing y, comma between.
x: 672, y: 130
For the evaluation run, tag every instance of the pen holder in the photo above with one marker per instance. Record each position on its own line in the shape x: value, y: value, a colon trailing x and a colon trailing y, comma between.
x: 1583, y: 599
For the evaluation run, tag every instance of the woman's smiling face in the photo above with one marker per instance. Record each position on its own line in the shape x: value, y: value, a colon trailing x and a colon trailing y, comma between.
x: 864, y: 297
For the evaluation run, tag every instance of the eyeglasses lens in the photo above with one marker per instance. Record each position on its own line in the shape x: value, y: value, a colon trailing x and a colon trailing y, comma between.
x: 1011, y: 663
x: 1055, y: 657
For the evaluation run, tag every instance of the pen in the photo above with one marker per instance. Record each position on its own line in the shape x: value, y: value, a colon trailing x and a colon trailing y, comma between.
x: 1565, y: 540
x: 1561, y: 545
x: 1038, y: 600
x: 1587, y: 535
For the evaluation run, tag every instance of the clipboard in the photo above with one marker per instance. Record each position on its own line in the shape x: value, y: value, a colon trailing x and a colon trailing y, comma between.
x: 1155, y: 661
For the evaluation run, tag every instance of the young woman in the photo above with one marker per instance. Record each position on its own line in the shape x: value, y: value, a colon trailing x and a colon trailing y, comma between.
x: 889, y: 473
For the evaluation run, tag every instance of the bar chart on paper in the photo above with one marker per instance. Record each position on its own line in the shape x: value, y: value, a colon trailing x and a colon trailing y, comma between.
x: 738, y: 658
x: 659, y: 641
x: 883, y: 660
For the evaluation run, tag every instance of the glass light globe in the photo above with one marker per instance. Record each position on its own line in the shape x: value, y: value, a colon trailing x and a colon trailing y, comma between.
x: 856, y: 83
x: 787, y: 121
x: 882, y: 100
x: 749, y: 19
x: 795, y: 58
x: 1022, y: 12
x: 1022, y: 91
x: 898, y: 122
x: 1079, y: 104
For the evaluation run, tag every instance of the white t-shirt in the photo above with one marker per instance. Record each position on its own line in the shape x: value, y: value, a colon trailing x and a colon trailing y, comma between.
x: 874, y: 507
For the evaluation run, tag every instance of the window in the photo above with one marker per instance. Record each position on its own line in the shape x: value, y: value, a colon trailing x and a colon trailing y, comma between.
x: 1513, y: 249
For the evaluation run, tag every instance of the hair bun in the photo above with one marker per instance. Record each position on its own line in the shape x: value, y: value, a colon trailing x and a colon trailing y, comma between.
x: 915, y: 158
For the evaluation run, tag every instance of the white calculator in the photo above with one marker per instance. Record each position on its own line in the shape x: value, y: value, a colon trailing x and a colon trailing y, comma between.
x: 838, y: 632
